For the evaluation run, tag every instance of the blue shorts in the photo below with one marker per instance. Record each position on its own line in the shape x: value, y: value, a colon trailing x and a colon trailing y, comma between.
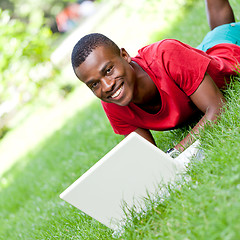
x: 227, y: 33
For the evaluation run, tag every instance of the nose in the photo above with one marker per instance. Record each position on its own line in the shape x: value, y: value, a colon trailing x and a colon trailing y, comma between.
x: 107, y: 84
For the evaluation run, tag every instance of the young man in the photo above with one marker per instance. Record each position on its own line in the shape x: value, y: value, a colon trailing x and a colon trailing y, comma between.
x: 168, y: 82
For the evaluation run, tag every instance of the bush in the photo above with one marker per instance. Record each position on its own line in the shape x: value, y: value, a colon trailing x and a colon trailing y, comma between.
x: 24, y: 61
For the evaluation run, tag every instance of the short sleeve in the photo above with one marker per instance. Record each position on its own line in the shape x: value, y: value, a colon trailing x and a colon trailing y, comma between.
x: 183, y: 64
x: 117, y: 117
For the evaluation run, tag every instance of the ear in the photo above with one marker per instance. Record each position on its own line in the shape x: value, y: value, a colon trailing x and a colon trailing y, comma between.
x: 124, y: 54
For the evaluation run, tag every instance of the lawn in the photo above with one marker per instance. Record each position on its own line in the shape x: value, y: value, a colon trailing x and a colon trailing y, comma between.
x: 207, y: 207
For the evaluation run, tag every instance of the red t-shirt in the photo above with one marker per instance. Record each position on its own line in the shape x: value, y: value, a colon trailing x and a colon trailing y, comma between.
x: 177, y: 70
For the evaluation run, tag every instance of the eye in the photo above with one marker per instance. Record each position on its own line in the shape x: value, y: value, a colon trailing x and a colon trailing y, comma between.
x: 109, y: 70
x: 94, y: 85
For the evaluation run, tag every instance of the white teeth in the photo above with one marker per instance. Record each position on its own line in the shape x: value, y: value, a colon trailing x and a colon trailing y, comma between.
x: 117, y: 92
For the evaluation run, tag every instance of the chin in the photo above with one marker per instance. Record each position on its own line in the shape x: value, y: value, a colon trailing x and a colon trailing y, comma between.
x: 123, y: 103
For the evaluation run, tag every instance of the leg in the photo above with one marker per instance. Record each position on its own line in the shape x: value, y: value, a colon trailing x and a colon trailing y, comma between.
x: 219, y: 12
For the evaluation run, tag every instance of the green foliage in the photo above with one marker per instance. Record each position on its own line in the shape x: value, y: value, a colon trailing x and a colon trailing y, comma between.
x: 24, y: 60
x: 22, y: 9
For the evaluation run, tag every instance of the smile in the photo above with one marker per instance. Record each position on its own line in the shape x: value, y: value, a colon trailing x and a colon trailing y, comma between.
x: 116, y: 94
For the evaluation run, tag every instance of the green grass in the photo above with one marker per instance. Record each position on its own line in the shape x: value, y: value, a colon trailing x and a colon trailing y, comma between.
x: 30, y: 201
x: 207, y: 207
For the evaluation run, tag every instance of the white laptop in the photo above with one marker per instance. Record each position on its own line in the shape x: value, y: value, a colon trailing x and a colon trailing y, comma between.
x: 127, y: 174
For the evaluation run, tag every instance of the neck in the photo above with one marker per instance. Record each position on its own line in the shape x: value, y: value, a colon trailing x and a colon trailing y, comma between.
x: 146, y: 94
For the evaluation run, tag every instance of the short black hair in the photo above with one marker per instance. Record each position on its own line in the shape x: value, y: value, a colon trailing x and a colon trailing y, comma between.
x: 87, y: 44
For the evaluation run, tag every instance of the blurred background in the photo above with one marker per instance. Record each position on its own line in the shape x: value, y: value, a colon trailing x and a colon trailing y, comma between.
x: 38, y: 90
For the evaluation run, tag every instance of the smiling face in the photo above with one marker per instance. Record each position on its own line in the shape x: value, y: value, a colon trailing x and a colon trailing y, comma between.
x: 109, y: 75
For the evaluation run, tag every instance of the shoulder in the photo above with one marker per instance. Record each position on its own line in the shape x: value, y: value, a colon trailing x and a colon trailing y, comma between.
x: 119, y: 113
x: 162, y: 45
x: 161, y: 49
x: 122, y: 118
x: 109, y: 106
x: 114, y: 110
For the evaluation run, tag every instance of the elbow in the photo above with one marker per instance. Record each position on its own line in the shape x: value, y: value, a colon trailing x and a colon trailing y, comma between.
x: 213, y: 113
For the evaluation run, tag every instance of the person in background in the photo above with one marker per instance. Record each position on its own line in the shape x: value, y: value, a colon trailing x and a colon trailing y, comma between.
x: 73, y: 13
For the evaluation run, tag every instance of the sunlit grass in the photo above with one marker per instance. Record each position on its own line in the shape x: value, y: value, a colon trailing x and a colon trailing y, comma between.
x: 41, y: 123
x: 205, y: 208
x: 132, y: 24
x: 208, y: 206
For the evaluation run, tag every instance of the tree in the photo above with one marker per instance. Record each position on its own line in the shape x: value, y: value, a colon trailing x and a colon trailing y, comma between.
x: 24, y: 61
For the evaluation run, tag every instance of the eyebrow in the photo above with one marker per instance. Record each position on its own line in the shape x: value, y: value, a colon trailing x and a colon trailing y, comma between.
x: 105, y: 66
x: 102, y: 71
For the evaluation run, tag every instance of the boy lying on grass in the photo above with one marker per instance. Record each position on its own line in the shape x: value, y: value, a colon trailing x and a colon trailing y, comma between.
x: 168, y: 82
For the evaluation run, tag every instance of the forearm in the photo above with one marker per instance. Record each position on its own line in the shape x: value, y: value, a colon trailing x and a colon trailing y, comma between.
x: 209, y: 117
x: 192, y: 136
x: 209, y: 100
